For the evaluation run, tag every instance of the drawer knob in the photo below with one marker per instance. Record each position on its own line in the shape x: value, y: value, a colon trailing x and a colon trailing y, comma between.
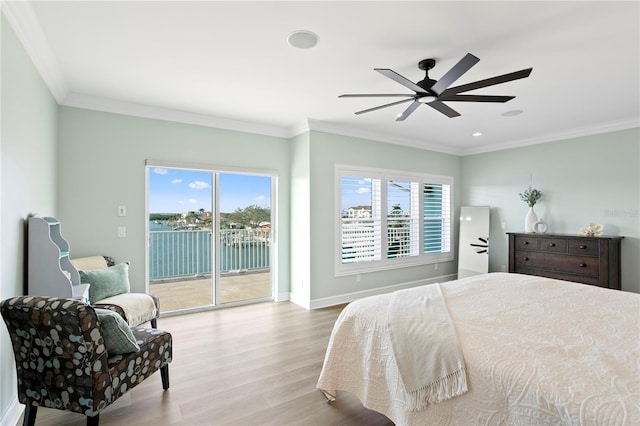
x: 525, y: 258
x: 583, y: 265
x: 582, y: 247
x: 526, y: 243
x: 552, y: 244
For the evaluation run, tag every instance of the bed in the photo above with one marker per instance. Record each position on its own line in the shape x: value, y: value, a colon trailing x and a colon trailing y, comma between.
x: 535, y: 351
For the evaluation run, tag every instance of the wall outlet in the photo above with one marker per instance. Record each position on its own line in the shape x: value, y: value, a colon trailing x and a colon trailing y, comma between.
x: 503, y: 268
x: 122, y: 210
x: 358, y: 278
x: 122, y: 231
x: 435, y: 266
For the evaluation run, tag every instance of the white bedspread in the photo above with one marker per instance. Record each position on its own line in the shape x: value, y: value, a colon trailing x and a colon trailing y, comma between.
x: 537, y: 351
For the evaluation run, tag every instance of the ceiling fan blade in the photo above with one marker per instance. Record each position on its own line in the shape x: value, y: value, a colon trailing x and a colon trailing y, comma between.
x: 446, y: 110
x: 381, y: 95
x: 400, y: 79
x: 383, y: 106
x: 454, y: 73
x: 488, y: 82
x: 407, y: 112
x: 475, y: 98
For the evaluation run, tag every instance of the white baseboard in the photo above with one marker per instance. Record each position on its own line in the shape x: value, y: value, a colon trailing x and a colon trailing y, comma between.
x: 282, y: 297
x: 300, y: 300
x: 350, y: 297
x: 12, y: 415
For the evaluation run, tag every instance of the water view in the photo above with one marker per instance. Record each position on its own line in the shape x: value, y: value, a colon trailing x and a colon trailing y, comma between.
x: 188, y: 252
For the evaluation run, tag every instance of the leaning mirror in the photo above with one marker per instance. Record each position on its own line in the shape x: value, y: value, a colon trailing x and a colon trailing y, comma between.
x: 473, y: 251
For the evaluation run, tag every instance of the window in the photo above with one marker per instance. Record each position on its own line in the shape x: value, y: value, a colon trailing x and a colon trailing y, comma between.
x: 390, y: 219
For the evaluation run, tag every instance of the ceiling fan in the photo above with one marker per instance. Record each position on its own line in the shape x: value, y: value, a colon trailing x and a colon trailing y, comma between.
x: 434, y: 93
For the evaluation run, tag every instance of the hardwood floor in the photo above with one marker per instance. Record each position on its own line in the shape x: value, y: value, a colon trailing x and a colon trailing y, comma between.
x: 242, y: 366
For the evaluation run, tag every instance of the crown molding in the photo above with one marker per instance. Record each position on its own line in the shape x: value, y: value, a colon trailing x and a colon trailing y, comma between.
x: 158, y: 113
x: 328, y: 127
x: 323, y: 126
x: 23, y: 20
x: 558, y: 136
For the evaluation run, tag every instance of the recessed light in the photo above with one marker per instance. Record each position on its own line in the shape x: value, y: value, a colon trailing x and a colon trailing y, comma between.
x: 302, y: 39
x: 512, y: 113
x: 476, y: 134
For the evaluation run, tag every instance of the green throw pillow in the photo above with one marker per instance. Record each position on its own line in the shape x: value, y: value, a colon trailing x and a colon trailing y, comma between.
x: 106, y: 282
x: 118, y: 338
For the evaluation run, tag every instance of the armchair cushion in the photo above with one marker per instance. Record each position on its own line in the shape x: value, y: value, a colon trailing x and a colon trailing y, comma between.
x: 116, y: 333
x: 106, y: 282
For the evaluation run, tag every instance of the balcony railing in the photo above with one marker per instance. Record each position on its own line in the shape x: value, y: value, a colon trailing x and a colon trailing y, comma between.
x: 189, y: 252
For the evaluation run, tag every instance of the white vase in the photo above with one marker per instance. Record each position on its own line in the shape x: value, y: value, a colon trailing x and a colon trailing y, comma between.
x: 529, y: 220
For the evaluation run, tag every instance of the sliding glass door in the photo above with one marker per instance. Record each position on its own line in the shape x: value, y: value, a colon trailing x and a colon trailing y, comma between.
x: 209, y: 237
x: 245, y: 237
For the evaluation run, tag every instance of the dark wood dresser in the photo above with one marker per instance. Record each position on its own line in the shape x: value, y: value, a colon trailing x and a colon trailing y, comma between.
x: 588, y: 260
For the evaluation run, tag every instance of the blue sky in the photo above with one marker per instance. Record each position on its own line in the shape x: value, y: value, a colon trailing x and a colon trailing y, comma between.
x: 180, y: 191
x: 357, y: 191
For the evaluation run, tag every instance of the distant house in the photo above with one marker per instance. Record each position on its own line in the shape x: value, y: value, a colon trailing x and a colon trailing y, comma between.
x: 359, y: 212
x: 205, y: 216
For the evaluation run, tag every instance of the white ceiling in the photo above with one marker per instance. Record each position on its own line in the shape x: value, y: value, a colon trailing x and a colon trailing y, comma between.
x: 227, y: 64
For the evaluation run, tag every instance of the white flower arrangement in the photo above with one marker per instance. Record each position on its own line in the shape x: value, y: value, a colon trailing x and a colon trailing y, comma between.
x: 593, y: 230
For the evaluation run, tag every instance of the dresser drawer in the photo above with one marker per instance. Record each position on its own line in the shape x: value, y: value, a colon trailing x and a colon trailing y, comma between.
x: 554, y: 262
x: 555, y: 245
x: 526, y: 243
x: 583, y: 247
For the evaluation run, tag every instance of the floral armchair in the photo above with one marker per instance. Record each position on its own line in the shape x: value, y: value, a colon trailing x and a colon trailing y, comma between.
x: 67, y: 358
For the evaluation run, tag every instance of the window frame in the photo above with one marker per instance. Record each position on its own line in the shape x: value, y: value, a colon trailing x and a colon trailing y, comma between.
x: 385, y: 263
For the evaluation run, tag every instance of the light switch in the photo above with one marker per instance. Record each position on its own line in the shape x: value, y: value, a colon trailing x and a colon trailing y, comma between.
x: 122, y: 210
x: 122, y: 231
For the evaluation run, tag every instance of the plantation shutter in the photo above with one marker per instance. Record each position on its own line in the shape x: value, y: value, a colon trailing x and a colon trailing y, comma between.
x: 437, y: 217
x: 402, y: 226
x: 361, y: 224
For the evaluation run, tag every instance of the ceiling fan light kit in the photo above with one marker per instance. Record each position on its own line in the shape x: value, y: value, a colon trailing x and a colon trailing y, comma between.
x: 435, y: 92
x: 426, y: 99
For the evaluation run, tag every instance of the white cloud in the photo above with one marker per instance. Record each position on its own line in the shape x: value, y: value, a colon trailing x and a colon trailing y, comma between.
x: 176, y: 181
x: 199, y: 185
x: 261, y: 198
x: 193, y: 201
x: 362, y: 190
x: 181, y: 202
x: 160, y: 171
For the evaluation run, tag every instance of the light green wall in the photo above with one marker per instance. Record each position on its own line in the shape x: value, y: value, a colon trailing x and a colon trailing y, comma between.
x: 27, y: 180
x: 327, y: 150
x: 591, y: 179
x: 79, y: 165
x: 102, y: 165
